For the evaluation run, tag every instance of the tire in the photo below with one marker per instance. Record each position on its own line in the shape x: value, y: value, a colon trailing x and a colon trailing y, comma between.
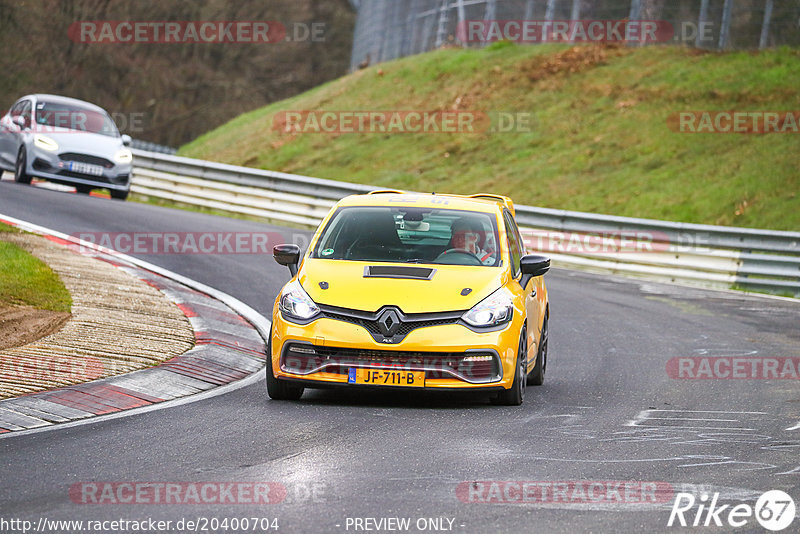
x: 20, y: 176
x: 516, y: 393
x: 119, y: 195
x: 83, y: 190
x: 279, y: 389
x: 536, y: 377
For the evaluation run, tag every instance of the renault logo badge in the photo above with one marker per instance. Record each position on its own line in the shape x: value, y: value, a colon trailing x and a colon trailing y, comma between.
x: 389, y: 322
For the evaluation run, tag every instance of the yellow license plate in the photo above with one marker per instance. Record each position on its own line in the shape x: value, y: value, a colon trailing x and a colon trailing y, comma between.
x: 386, y: 377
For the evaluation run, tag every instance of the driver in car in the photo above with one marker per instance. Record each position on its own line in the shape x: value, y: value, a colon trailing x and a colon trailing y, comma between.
x: 470, y: 236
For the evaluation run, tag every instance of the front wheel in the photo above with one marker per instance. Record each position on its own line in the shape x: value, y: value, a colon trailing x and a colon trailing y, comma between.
x: 516, y: 393
x: 20, y: 175
x: 279, y: 389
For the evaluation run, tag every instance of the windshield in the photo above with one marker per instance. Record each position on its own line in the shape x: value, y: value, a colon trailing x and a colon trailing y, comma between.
x: 410, y: 235
x: 74, y: 117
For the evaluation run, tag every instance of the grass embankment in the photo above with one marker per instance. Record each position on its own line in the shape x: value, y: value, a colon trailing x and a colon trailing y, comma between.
x: 27, y: 281
x: 600, y: 141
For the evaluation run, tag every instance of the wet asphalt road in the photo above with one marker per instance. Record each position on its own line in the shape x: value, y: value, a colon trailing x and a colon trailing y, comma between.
x: 609, y: 411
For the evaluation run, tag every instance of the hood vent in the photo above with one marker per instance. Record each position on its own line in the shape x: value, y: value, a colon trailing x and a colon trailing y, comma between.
x: 393, y: 271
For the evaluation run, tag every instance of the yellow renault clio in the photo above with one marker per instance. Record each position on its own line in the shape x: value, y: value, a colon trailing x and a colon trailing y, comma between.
x: 405, y: 290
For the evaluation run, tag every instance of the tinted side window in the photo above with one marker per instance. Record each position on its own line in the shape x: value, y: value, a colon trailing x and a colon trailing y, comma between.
x: 514, y: 243
x: 16, y: 109
x: 26, y: 112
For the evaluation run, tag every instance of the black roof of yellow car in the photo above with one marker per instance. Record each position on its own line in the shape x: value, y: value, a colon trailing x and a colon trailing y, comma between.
x: 503, y: 200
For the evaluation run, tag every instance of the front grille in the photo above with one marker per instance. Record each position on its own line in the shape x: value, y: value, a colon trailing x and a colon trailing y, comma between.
x: 85, y: 158
x: 408, y: 322
x: 405, y: 327
x: 474, y: 366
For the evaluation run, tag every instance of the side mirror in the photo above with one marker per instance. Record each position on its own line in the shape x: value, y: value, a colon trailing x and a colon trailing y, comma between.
x: 288, y: 255
x: 533, y: 265
x: 19, y: 120
x: 126, y: 140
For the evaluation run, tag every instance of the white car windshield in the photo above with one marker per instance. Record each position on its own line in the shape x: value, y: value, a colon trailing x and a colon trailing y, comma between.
x: 74, y: 117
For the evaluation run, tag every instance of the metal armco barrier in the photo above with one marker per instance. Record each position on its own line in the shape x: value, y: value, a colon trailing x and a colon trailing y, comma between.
x: 706, y: 255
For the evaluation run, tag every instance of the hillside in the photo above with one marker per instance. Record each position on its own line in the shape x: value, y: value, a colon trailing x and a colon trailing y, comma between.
x: 599, y: 140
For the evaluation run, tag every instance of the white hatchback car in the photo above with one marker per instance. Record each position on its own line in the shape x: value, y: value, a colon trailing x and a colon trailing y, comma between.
x: 66, y: 141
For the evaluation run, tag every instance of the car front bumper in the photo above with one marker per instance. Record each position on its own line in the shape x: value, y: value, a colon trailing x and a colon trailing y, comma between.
x: 54, y: 167
x: 452, y: 356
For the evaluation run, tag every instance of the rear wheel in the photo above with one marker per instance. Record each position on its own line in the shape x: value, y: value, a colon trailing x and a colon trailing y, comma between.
x: 20, y: 175
x: 537, y: 375
x: 279, y: 389
x: 516, y: 393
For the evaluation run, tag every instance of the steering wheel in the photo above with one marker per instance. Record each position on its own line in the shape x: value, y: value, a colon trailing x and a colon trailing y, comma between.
x: 466, y: 253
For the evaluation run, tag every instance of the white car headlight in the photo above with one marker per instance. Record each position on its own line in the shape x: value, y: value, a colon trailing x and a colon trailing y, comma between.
x: 123, y: 155
x: 295, y: 302
x: 495, y: 309
x: 44, y: 142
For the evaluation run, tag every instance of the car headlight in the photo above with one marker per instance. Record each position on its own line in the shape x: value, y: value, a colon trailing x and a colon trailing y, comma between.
x: 495, y: 309
x: 123, y: 155
x: 44, y: 142
x: 295, y: 302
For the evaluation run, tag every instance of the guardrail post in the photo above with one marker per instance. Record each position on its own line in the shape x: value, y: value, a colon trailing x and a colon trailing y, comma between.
x: 635, y: 14
x: 490, y: 13
x: 461, y: 16
x: 550, y: 11
x: 762, y: 43
x: 444, y: 11
x: 549, y: 14
x: 529, y: 5
x: 701, y: 21
x: 575, y: 14
x: 724, y: 31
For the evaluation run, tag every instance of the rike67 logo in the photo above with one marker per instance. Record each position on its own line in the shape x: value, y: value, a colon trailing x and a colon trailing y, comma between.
x: 774, y: 510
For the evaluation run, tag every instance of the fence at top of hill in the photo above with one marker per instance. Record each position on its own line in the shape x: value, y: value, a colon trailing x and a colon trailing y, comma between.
x: 389, y: 30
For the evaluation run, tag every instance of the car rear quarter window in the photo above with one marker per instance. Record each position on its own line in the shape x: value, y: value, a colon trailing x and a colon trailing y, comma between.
x: 26, y: 112
x: 16, y: 109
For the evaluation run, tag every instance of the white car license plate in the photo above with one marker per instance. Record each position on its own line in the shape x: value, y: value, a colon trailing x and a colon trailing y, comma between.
x: 85, y: 168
